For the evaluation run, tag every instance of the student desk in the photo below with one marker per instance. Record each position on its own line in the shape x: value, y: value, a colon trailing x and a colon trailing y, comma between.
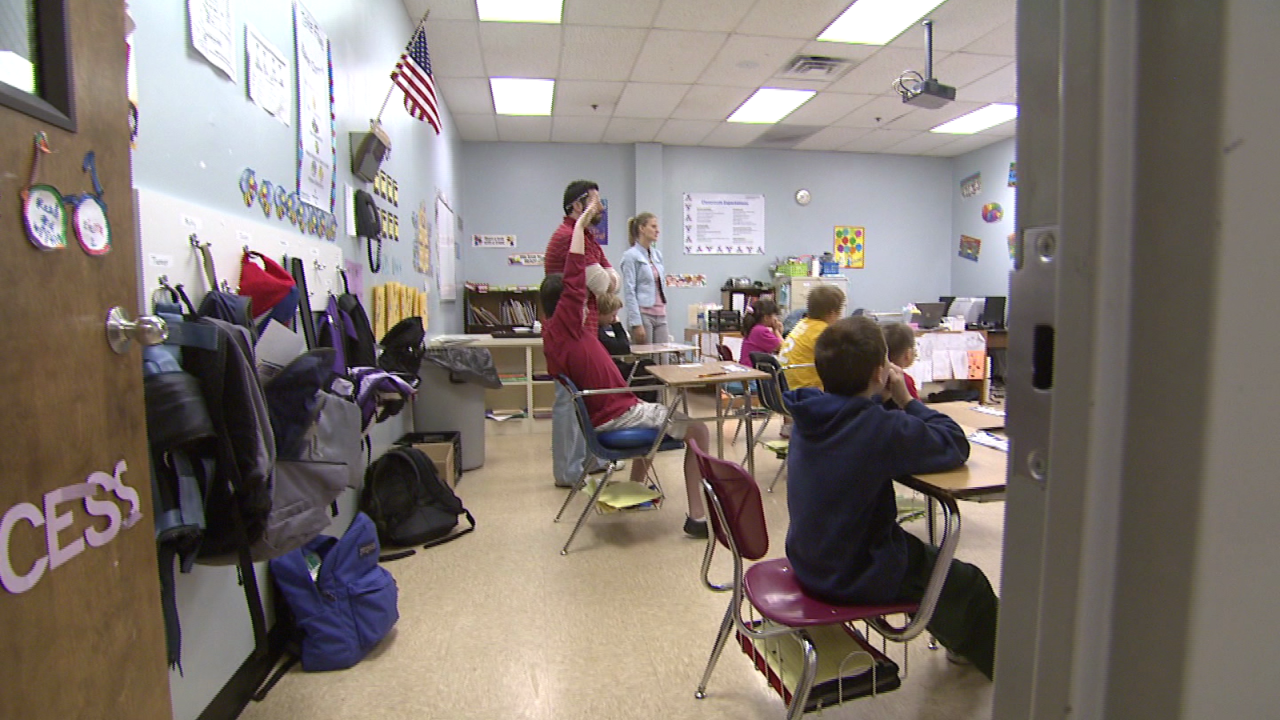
x: 967, y: 417
x: 663, y: 348
x: 688, y: 375
x: 983, y: 475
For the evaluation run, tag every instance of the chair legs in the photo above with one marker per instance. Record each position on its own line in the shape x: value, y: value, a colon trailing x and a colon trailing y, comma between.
x: 582, y: 518
x: 777, y: 476
x: 801, y: 694
x: 726, y: 627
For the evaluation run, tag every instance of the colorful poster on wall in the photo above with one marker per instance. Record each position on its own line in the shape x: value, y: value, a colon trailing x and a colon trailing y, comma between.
x: 686, y: 281
x: 1013, y: 174
x: 316, y: 145
x: 992, y: 212
x: 422, y: 240
x: 970, y: 247
x: 493, y: 241
x: 850, y: 246
x: 1013, y: 246
x: 971, y: 185
x: 723, y: 224
x: 527, y: 259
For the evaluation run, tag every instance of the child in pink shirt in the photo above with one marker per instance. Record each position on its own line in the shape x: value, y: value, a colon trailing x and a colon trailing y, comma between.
x: 761, y: 330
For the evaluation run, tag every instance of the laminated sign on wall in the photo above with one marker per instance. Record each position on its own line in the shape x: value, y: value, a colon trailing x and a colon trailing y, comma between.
x: 723, y: 224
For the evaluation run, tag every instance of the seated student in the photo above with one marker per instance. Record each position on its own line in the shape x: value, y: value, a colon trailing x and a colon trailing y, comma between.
x: 614, y: 338
x: 824, y: 306
x: 574, y: 352
x: 901, y: 341
x: 761, y: 330
x: 843, y: 540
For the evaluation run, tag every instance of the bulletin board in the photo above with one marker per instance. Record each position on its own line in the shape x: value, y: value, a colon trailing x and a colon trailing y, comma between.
x: 165, y: 224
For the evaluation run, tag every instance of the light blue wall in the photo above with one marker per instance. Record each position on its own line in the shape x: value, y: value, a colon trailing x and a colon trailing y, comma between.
x: 903, y: 202
x: 990, y: 274
x: 198, y: 131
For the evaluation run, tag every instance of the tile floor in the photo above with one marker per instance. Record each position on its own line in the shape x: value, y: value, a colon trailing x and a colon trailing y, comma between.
x: 499, y: 625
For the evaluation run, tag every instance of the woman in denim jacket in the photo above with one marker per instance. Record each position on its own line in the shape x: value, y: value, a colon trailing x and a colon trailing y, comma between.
x: 642, y: 293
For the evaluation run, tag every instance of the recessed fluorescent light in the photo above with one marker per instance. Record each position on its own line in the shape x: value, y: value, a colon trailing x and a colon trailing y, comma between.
x: 876, y: 22
x: 769, y: 105
x: 522, y: 96
x: 531, y: 11
x: 979, y: 120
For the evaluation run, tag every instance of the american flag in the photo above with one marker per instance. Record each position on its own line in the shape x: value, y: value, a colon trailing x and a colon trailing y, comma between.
x: 413, y: 76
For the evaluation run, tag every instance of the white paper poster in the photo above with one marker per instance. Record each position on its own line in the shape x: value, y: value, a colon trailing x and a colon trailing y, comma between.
x: 211, y: 32
x: 445, y: 280
x: 493, y: 241
x: 268, y: 72
x: 723, y: 224
x: 315, y: 112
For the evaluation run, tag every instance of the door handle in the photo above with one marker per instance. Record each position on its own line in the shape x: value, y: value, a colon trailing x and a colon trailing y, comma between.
x: 121, y: 331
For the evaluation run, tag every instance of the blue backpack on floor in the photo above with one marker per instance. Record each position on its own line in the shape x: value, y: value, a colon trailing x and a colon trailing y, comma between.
x: 347, y: 605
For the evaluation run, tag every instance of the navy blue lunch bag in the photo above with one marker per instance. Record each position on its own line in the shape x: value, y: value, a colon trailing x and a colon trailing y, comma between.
x: 346, y: 607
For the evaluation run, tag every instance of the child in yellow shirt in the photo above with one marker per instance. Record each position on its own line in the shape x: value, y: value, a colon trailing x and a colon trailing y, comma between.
x: 825, y: 303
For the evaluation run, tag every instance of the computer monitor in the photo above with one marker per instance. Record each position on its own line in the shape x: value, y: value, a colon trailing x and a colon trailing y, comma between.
x: 946, y: 301
x: 993, y: 312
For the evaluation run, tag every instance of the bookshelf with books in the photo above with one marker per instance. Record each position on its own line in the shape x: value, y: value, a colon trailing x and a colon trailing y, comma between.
x: 494, y: 308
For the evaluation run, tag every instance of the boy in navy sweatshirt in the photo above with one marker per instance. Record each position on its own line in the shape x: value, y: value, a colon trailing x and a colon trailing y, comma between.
x: 844, y: 540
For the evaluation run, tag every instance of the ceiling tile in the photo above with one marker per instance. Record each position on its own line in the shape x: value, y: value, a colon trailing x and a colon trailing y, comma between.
x: 576, y: 97
x: 846, y: 51
x: 600, y: 53
x: 877, y: 140
x: 728, y: 134
x: 455, y: 49
x: 708, y: 102
x: 876, y: 74
x: 926, y: 119
x: 441, y: 9
x: 921, y: 143
x: 676, y: 56
x: 1004, y: 130
x: 470, y: 96
x: 716, y: 15
x: 1001, y: 41
x: 960, y: 69
x: 685, y: 132
x: 578, y: 129
x: 791, y: 18
x: 476, y: 128
x: 747, y: 61
x: 825, y: 108
x: 878, y: 112
x: 993, y: 88
x: 632, y: 13
x: 649, y: 100
x: 524, y: 129
x: 964, y: 144
x: 957, y: 23
x: 632, y: 130
x: 523, y: 50
x: 831, y: 138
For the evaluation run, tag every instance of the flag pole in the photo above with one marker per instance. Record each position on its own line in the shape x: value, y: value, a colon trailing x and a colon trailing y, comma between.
x: 392, y: 89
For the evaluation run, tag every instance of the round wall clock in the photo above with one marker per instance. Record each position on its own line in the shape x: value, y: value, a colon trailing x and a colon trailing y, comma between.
x: 803, y: 197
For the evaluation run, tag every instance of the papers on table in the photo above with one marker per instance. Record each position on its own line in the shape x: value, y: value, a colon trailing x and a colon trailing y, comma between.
x: 988, y: 410
x: 949, y: 356
x: 991, y: 440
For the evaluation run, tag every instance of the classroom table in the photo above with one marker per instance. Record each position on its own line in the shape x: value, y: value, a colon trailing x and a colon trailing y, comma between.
x: 967, y: 416
x: 982, y: 477
x: 683, y: 376
x: 662, y: 348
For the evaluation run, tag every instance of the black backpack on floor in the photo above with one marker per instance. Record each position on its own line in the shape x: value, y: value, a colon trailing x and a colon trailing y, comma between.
x: 409, y: 503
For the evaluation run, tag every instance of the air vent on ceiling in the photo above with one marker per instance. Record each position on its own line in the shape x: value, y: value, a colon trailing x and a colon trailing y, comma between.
x: 815, y: 67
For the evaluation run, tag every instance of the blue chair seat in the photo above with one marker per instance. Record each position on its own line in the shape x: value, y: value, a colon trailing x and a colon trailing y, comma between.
x: 635, y: 438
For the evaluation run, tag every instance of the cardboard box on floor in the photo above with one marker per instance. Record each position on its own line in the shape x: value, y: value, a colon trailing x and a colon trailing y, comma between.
x: 442, y: 456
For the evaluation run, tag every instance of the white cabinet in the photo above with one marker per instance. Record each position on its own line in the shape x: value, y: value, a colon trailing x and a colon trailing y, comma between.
x: 793, y: 292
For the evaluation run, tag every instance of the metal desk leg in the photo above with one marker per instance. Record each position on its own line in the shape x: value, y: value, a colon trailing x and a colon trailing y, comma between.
x: 751, y: 436
x: 719, y: 422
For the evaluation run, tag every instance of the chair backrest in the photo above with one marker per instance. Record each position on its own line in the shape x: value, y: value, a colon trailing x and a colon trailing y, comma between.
x: 744, y: 530
x: 771, y: 390
x: 584, y: 419
x: 724, y: 352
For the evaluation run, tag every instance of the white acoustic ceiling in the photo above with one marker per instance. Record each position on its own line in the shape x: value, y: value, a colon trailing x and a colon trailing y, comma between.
x: 671, y: 71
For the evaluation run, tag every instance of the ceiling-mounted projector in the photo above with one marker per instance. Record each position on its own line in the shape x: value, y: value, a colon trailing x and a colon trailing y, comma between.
x: 924, y: 90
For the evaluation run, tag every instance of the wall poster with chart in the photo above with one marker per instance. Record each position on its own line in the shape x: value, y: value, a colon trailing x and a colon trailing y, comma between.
x: 723, y: 224
x: 446, y: 281
x: 316, y: 146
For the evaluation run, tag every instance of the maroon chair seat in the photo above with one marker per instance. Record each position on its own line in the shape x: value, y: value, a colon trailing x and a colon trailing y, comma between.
x: 770, y: 585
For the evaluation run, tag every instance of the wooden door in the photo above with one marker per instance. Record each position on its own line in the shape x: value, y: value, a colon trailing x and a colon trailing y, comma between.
x: 81, y: 631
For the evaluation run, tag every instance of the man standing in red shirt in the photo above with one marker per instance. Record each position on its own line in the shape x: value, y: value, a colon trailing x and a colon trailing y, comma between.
x: 568, y: 448
x: 573, y: 349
